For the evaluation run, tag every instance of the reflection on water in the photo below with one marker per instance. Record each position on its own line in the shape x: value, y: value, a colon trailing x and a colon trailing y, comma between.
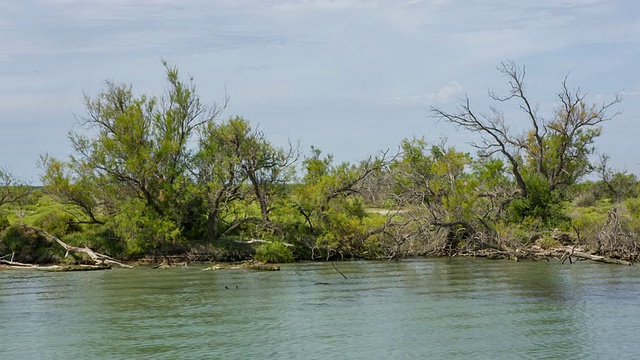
x: 431, y: 308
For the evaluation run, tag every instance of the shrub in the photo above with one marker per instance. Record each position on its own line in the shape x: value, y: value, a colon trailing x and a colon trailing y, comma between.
x: 4, y: 222
x: 29, y: 246
x: 275, y: 252
x: 585, y: 200
x: 56, y: 222
x: 144, y: 231
x: 100, y: 238
x: 548, y: 242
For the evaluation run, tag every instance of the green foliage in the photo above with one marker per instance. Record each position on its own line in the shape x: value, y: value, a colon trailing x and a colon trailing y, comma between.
x: 237, y: 165
x: 56, y: 222
x: 158, y: 174
x: 585, y: 199
x: 619, y: 186
x: 588, y: 221
x: 4, y: 222
x: 133, y: 170
x: 143, y: 230
x: 541, y: 203
x: 331, y: 203
x: 548, y: 242
x: 28, y: 246
x: 100, y: 238
x: 515, y: 235
x: 274, y: 252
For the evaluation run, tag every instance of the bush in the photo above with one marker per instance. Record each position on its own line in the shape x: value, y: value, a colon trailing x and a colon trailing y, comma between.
x: 55, y: 222
x: 540, y: 203
x: 144, y: 231
x: 548, y: 242
x: 585, y: 200
x: 29, y: 246
x: 99, y: 238
x: 4, y: 222
x: 274, y: 253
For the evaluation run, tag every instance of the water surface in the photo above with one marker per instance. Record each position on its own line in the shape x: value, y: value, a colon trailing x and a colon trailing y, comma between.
x: 431, y: 308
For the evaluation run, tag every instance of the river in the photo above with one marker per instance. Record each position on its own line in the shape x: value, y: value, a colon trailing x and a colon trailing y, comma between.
x: 413, y: 309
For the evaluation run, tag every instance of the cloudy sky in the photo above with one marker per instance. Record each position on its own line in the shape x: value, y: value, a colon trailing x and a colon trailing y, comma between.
x: 352, y: 77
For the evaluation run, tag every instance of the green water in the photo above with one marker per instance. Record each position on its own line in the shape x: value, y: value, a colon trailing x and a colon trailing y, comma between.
x: 415, y: 309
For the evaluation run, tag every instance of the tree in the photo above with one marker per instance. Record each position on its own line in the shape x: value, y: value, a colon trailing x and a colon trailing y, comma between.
x: 330, y: 199
x: 555, y: 151
x: 436, y: 194
x: 134, y: 163
x: 235, y: 162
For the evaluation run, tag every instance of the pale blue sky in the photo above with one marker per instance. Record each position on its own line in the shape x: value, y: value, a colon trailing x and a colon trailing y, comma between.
x: 351, y: 77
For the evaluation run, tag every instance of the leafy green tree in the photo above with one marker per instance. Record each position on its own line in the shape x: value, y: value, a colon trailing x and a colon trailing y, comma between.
x: 133, y: 161
x: 236, y: 163
x: 435, y: 193
x: 330, y: 198
x: 614, y: 184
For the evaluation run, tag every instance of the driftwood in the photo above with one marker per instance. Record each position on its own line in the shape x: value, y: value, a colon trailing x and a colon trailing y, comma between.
x: 99, y: 259
x: 597, y: 258
x: 562, y: 254
x: 13, y: 265
x: 258, y: 241
x: 252, y: 265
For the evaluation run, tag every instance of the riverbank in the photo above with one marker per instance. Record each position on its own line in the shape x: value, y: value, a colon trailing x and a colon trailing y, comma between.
x: 47, y: 252
x: 567, y: 254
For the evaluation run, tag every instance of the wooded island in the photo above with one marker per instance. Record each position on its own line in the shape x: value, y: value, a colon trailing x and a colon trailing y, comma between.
x: 166, y: 177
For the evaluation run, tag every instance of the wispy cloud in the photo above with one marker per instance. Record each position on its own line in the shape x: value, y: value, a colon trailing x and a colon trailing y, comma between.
x: 443, y: 95
x: 127, y: 27
x: 630, y: 92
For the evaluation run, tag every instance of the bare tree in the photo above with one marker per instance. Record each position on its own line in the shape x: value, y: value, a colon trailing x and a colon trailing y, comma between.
x: 11, y: 189
x: 556, y: 149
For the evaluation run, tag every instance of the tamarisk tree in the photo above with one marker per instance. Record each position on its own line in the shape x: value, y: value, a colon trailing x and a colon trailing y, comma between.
x: 132, y: 162
x: 236, y: 163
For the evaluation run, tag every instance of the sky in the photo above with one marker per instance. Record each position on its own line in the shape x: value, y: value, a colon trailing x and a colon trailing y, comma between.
x: 350, y: 77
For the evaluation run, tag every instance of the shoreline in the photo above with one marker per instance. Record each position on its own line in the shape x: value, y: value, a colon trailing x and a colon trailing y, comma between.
x: 566, y: 254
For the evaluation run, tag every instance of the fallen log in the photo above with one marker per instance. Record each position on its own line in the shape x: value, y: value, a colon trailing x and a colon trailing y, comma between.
x: 13, y: 265
x: 259, y: 241
x: 562, y: 254
x: 599, y: 258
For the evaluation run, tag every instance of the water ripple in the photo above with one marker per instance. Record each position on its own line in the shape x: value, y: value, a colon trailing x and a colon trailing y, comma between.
x: 412, y: 309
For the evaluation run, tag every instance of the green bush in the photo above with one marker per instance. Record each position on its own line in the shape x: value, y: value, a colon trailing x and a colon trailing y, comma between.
x: 274, y: 253
x: 4, y: 222
x: 56, y: 222
x: 143, y: 230
x: 585, y: 200
x: 29, y: 246
x: 540, y: 203
x: 100, y: 238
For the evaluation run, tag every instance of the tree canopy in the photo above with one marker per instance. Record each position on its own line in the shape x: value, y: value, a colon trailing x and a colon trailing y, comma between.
x: 163, y: 174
